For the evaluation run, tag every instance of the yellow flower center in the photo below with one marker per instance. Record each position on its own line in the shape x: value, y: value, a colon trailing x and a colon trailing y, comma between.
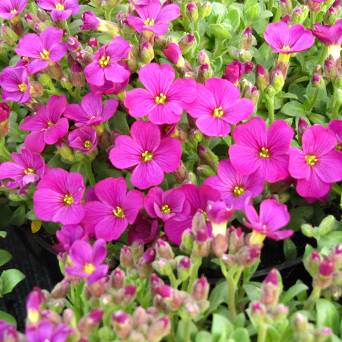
x: 29, y: 171
x: 88, y: 144
x: 89, y: 268
x: 218, y: 112
x: 311, y: 159
x: 257, y: 238
x: 104, y: 61
x: 339, y: 147
x: 165, y: 209
x: 146, y: 156
x: 68, y: 199
x: 45, y: 54
x: 160, y: 99
x: 22, y: 87
x: 59, y: 7
x: 264, y: 152
x: 33, y: 316
x: 149, y: 22
x: 118, y: 212
x: 13, y: 11
x: 50, y: 123
x: 286, y: 47
x: 238, y: 190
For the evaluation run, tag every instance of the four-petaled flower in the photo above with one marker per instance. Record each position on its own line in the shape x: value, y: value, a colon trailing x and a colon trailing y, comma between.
x: 60, y: 9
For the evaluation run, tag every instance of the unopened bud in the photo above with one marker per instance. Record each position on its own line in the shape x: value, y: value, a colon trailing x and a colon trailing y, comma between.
x: 174, y: 54
x: 126, y: 257
x: 183, y: 265
x: 122, y: 324
x: 192, y: 11
x: 163, y: 249
x: 146, y: 52
x: 200, y: 289
x: 118, y: 278
x: 159, y: 329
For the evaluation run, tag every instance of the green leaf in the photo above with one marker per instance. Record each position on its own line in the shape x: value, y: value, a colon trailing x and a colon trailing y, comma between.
x: 221, y: 326
x: 218, y: 295
x: 3, y: 234
x: 7, y: 317
x: 293, y: 291
x: 293, y: 108
x: 330, y: 240
x: 4, y: 257
x: 253, y: 291
x: 19, y: 216
x: 240, y: 335
x: 327, y: 315
x: 233, y: 17
x: 220, y: 31
x: 203, y: 336
x: 9, y: 279
x: 290, y: 250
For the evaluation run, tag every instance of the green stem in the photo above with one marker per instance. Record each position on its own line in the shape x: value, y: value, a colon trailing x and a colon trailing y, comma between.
x: 270, y: 107
x: 194, y: 272
x: 173, y: 280
x: 262, y: 333
x: 314, y: 296
x: 312, y: 100
x: 186, y: 327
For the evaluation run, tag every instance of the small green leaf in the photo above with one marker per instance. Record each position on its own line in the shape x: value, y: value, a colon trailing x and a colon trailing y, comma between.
x: 9, y: 279
x: 327, y: 315
x: 203, y: 336
x: 253, y: 291
x: 290, y: 250
x: 220, y: 31
x: 218, y: 295
x: 8, y: 318
x: 3, y: 234
x: 19, y: 216
x: 293, y: 108
x: 221, y: 326
x: 240, y: 335
x: 4, y: 257
x: 293, y: 291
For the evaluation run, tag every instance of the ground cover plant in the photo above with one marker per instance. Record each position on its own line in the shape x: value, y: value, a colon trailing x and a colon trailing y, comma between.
x: 184, y: 158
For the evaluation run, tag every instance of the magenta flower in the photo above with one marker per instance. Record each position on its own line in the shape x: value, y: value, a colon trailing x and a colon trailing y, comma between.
x: 198, y: 199
x: 143, y: 231
x: 166, y: 204
x: 154, y: 17
x: 90, y: 21
x: 60, y: 9
x: 87, y: 262
x: 336, y: 127
x: 11, y: 8
x: 68, y: 234
x: 44, y: 48
x: 15, y: 84
x: 115, y: 208
x: 92, y: 111
x: 173, y: 53
x: 149, y: 154
x: 236, y: 69
x: 233, y: 186
x: 283, y: 38
x: 83, y: 139
x: 48, y: 331
x: 5, y: 112
x: 329, y: 34
x: 271, y: 218
x: 58, y: 197
x: 26, y: 167
x: 258, y: 149
x: 8, y: 332
x: 46, y: 126
x: 33, y: 306
x: 163, y: 100
x: 318, y: 164
x: 217, y: 106
x: 106, y: 63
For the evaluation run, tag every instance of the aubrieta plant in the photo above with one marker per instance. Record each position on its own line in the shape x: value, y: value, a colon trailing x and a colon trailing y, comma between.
x: 179, y: 153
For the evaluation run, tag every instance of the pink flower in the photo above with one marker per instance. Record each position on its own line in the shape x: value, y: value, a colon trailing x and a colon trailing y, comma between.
x: 166, y: 204
x: 149, y: 154
x: 107, y: 63
x: 198, y: 199
x: 5, y: 112
x: 154, y: 17
x: 67, y: 235
x: 318, y: 164
x: 329, y: 34
x: 60, y: 9
x: 87, y: 261
x: 109, y: 216
x: 48, y: 331
x: 336, y: 127
x: 92, y: 111
x: 258, y: 149
x: 83, y: 139
x: 271, y: 218
x: 164, y: 99
x: 27, y: 167
x: 233, y: 186
x: 283, y: 38
x: 43, y: 48
x: 217, y: 106
x: 143, y: 231
x: 58, y: 197
x: 173, y: 53
x: 11, y: 8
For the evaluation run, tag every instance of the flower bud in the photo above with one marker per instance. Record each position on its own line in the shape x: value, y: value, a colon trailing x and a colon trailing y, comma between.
x: 130, y: 292
x: 183, y: 265
x: 192, y: 11
x: 262, y: 77
x: 118, y: 278
x: 8, y: 332
x: 174, y: 54
x: 90, y: 321
x: 163, y: 249
x: 299, y: 14
x: 126, y: 257
x: 313, y: 263
x: 258, y: 312
x: 60, y: 290
x: 327, y: 267
x: 200, y: 289
x: 122, y: 324
x: 187, y: 42
x: 146, y: 52
x: 207, y: 156
x: 205, y: 171
x: 205, y: 9
x: 317, y: 81
x: 140, y: 316
x: 218, y: 215
x: 8, y: 35
x: 278, y: 80
x: 219, y: 244
x: 4, y: 112
x: 159, y: 329
x: 236, y: 239
x: 302, y: 125
x: 93, y: 43
x: 163, y: 266
x: 187, y: 241
x: 90, y: 21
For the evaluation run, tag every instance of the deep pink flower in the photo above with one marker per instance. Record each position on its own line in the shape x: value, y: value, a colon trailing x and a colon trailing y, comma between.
x: 87, y: 261
x: 197, y: 198
x: 336, y: 127
x: 15, y: 84
x: 11, y: 8
x: 154, y: 17
x: 258, y: 149
x: 60, y: 9
x: 110, y: 87
x: 46, y: 126
x: 318, y: 164
x: 233, y: 186
x: 43, y: 48
x: 92, y: 111
x: 329, y: 34
x: 166, y: 204
x: 217, y: 106
x: 271, y: 218
x: 164, y: 99
x: 173, y: 53
x: 109, y: 216
x: 90, y: 21
x: 8, y: 332
x: 236, y: 69
x: 283, y: 38
x: 143, y: 231
x: 26, y: 167
x: 5, y: 111
x: 58, y: 197
x: 149, y: 154
x: 83, y: 139
x: 48, y: 331
x: 33, y: 306
x: 106, y: 63
x: 68, y: 234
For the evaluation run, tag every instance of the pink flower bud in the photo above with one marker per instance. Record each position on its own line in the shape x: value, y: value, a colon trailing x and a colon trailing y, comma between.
x: 327, y: 267
x: 4, y: 111
x: 126, y: 257
x: 122, y: 324
x: 129, y: 293
x: 200, y: 289
x: 92, y: 42
x: 163, y: 249
x: 302, y: 125
x: 174, y: 54
x: 158, y: 329
x: 118, y: 278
